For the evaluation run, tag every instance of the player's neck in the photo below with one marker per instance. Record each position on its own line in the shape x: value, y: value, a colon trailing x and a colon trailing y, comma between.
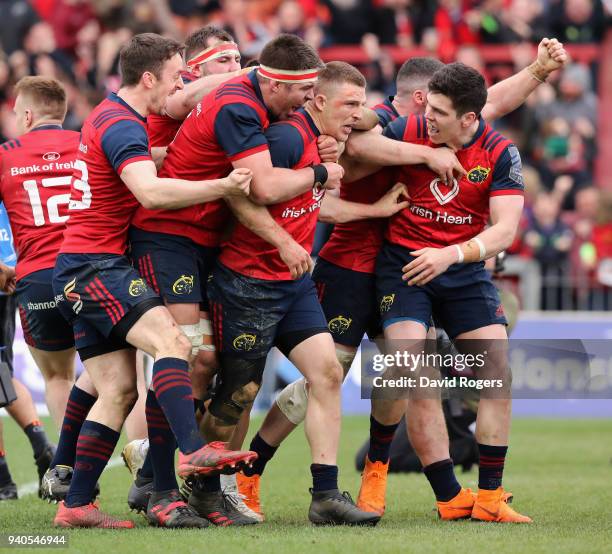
x: 464, y: 137
x: 134, y: 98
x: 316, y: 117
x: 44, y: 122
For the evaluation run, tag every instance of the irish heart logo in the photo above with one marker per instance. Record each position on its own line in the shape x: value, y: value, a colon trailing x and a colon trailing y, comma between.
x: 437, y: 187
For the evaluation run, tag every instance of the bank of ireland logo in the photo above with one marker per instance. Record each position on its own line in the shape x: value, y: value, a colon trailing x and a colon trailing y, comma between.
x: 387, y: 302
x: 183, y: 285
x: 444, y: 197
x: 339, y: 324
x: 137, y: 287
x: 73, y: 297
x: 478, y: 174
x: 244, y: 342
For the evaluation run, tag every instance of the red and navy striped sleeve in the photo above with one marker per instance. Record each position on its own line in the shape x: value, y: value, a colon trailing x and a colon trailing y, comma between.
x: 125, y: 142
x: 396, y: 129
x: 239, y: 131
x: 507, y: 176
x: 286, y: 145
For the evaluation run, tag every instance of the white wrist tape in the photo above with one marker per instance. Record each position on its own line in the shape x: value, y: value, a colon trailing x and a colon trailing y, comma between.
x: 481, y: 247
x: 460, y: 256
x: 192, y: 332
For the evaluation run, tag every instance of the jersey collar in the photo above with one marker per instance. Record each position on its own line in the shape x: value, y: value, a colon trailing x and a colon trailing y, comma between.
x: 477, y: 134
x: 114, y: 98
x: 48, y: 127
x: 388, y: 103
x: 309, y: 121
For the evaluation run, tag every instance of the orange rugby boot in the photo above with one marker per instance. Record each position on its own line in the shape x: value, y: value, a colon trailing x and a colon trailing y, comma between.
x: 248, y: 488
x: 458, y: 507
x: 373, y: 487
x: 493, y: 506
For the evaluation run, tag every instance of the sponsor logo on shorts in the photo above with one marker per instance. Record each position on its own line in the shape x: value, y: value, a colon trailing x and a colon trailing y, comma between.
x: 339, y: 324
x: 244, y: 342
x: 183, y: 285
x: 73, y: 297
x: 387, y: 302
x: 478, y: 174
x: 50, y: 305
x: 137, y: 287
x: 441, y: 197
x: 500, y: 311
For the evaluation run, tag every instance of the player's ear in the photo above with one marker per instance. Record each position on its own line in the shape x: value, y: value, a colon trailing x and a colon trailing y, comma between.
x: 148, y: 79
x: 419, y: 97
x: 320, y: 101
x: 29, y: 118
x: 467, y: 119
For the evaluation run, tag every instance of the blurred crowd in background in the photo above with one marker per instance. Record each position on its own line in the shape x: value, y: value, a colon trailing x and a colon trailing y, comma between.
x: 567, y: 228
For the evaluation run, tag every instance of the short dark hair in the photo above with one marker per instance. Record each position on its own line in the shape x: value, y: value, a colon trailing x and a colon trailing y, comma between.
x: 417, y: 72
x: 145, y: 52
x: 198, y: 40
x: 464, y: 86
x: 46, y: 93
x: 289, y: 52
x: 339, y: 73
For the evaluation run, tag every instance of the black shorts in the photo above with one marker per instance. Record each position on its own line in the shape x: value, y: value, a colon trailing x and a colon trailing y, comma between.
x: 43, y: 325
x: 8, y: 306
x: 175, y: 267
x: 461, y: 299
x: 250, y: 315
x: 102, y: 296
x: 348, y: 299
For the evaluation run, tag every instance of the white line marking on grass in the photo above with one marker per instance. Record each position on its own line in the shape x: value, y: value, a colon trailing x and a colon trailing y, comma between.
x: 32, y: 487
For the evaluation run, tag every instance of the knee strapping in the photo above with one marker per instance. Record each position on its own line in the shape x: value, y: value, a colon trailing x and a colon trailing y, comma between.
x: 206, y: 330
x: 346, y: 359
x: 237, y: 386
x: 293, y: 401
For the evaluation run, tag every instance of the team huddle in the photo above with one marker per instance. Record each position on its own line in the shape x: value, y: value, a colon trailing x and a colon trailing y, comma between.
x: 180, y: 223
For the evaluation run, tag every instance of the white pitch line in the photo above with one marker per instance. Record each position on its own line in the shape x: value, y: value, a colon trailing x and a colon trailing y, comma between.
x: 32, y: 488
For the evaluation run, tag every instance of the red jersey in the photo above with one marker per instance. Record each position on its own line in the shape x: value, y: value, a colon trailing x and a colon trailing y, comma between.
x: 293, y: 145
x: 438, y: 214
x: 227, y: 125
x: 162, y: 128
x: 355, y: 245
x: 101, y: 206
x: 35, y: 175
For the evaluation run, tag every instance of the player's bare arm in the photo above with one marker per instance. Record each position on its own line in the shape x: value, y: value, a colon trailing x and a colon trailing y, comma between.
x: 336, y: 210
x: 271, y: 185
x: 258, y: 220
x: 367, y: 152
x: 155, y: 193
x: 7, y: 278
x: 509, y: 94
x: 183, y: 101
x: 430, y: 262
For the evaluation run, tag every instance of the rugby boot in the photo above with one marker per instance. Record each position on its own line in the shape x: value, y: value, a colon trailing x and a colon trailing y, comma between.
x: 168, y: 509
x: 43, y: 461
x: 88, y: 516
x: 493, y: 506
x: 140, y: 493
x: 215, y: 508
x: 56, y: 482
x: 373, y: 487
x: 213, y: 458
x: 248, y: 488
x: 8, y: 491
x: 134, y: 454
x: 335, y: 508
x: 233, y: 496
x: 458, y: 507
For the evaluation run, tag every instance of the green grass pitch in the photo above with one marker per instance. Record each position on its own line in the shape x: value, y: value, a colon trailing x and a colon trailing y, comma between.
x: 558, y: 470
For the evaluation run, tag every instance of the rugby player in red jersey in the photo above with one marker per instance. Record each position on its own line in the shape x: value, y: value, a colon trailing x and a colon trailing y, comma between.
x: 257, y: 304
x: 109, y: 304
x: 437, y: 248
x: 35, y: 175
x: 345, y: 275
